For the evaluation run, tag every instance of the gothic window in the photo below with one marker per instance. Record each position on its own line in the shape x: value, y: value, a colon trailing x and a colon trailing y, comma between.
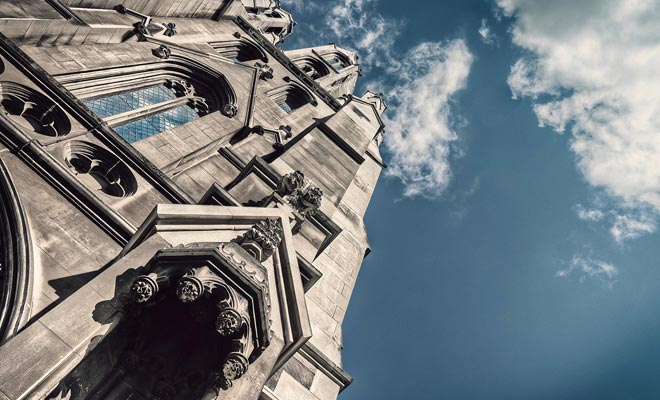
x: 337, y: 60
x: 313, y: 67
x: 144, y: 112
x: 291, y: 97
x: 140, y: 101
x: 240, y: 50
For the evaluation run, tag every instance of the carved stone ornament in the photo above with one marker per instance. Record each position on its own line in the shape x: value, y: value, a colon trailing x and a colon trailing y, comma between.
x: 229, y: 110
x: 262, y: 239
x: 189, y: 289
x: 235, y: 366
x: 228, y: 322
x: 200, y: 105
x: 144, y: 288
x: 163, y: 52
x: 307, y: 201
x: 265, y: 71
x: 181, y: 87
x: 170, y: 29
x: 291, y: 182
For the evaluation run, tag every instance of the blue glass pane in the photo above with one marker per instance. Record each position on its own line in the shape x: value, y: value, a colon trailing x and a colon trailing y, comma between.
x: 128, y: 101
x: 286, y: 107
x: 153, y: 124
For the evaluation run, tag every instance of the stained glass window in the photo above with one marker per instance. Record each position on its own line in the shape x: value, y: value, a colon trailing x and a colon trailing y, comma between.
x: 146, y: 126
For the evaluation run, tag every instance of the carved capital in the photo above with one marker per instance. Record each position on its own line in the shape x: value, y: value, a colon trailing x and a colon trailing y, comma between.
x: 262, y: 239
x: 229, y: 110
x: 163, y: 52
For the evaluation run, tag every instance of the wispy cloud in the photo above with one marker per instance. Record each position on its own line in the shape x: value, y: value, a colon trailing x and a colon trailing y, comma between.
x: 420, y: 132
x: 589, y: 214
x: 420, y: 84
x: 485, y: 32
x: 590, y: 69
x: 627, y: 227
x: 587, y: 267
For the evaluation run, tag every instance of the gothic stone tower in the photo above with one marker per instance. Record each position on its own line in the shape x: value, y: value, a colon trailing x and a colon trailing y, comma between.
x: 181, y: 201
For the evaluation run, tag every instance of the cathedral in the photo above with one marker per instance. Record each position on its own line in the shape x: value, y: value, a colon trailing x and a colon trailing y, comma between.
x: 181, y: 201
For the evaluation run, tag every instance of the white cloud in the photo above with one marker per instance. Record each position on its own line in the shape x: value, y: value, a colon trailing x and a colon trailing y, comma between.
x: 589, y: 267
x: 626, y: 227
x: 591, y: 69
x: 358, y: 25
x: 587, y: 214
x: 485, y: 33
x: 420, y: 131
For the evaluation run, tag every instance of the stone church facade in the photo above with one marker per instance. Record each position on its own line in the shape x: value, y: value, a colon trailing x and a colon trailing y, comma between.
x: 181, y: 201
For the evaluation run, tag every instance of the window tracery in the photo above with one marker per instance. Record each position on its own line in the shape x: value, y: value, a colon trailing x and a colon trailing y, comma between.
x: 140, y: 101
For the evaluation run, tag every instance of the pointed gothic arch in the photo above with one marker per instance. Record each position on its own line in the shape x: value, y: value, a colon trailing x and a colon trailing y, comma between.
x: 142, y: 100
x: 292, y: 96
x: 15, y: 258
x: 240, y: 50
x: 313, y: 67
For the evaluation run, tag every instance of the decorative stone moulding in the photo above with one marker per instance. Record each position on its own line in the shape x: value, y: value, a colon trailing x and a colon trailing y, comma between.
x: 262, y: 239
x: 228, y: 282
x: 113, y: 177
x: 170, y: 29
x: 265, y: 71
x: 229, y: 110
x: 181, y: 87
x: 163, y: 52
x: 33, y: 110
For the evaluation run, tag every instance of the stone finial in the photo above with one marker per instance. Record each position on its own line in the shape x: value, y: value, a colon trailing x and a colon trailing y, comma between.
x: 291, y: 182
x: 170, y: 29
x: 265, y: 71
x: 262, y: 239
x: 163, y: 52
x: 229, y: 110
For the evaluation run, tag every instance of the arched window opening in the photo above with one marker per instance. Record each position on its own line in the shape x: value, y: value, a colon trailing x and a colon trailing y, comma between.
x: 338, y: 60
x: 291, y: 97
x: 240, y: 50
x: 313, y: 67
x: 140, y: 101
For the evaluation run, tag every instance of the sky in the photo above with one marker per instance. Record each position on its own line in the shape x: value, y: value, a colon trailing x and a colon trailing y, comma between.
x: 515, y: 232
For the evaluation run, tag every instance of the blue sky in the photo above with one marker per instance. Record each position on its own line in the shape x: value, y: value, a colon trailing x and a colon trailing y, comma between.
x: 515, y: 233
